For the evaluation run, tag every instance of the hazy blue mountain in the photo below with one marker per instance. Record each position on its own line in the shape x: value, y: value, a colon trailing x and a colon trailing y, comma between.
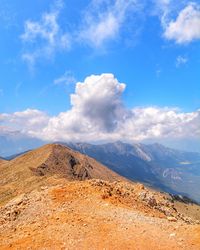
x: 15, y: 143
x: 10, y: 157
x: 161, y: 167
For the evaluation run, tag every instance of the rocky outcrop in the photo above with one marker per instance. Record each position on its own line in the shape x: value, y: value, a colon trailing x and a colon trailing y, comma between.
x: 13, y: 209
x: 143, y: 198
x: 72, y: 165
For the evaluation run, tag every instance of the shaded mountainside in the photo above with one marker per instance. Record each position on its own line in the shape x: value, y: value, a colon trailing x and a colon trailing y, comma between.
x: 168, y: 169
x: 34, y: 168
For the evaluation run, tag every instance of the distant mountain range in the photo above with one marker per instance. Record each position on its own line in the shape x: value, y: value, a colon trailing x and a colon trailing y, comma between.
x: 15, y: 143
x: 167, y: 169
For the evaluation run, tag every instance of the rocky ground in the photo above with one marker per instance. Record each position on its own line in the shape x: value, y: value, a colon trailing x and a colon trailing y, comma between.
x: 96, y: 214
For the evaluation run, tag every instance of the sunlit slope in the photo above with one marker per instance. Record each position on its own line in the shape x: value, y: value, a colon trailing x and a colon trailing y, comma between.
x: 40, y: 166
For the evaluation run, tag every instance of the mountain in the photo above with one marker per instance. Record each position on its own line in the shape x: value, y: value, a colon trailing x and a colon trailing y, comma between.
x: 170, y: 170
x: 2, y: 160
x: 36, y: 167
x: 15, y: 142
x: 166, y: 169
x: 11, y: 157
x: 56, y: 198
x: 119, y: 157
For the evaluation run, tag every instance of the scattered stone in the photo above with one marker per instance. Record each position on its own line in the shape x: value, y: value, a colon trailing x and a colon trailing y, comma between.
x: 141, y: 186
x: 172, y: 219
x: 151, y: 201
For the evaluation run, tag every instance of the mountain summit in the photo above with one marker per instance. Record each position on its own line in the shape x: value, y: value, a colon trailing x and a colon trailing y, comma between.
x: 36, y: 167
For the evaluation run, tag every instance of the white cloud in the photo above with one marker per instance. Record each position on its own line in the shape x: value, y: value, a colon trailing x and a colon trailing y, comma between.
x: 30, y: 121
x: 154, y: 122
x: 98, y: 114
x: 66, y: 79
x: 43, y: 38
x: 186, y: 27
x: 104, y: 19
x: 181, y: 60
x: 162, y: 8
x: 30, y: 58
x: 96, y: 108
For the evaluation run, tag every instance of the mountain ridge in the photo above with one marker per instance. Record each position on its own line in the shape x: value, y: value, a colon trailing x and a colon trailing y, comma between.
x: 170, y: 170
x: 34, y: 168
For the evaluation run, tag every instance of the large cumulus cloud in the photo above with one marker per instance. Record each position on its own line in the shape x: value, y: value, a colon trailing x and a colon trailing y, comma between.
x: 96, y: 109
x: 98, y: 114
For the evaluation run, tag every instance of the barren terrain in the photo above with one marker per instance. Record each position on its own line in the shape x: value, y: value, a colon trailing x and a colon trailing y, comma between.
x: 51, y: 211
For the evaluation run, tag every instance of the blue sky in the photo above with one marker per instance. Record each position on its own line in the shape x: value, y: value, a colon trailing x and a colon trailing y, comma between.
x: 153, y: 47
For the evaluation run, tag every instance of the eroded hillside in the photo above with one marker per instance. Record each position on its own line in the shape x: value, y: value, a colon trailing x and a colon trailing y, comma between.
x: 33, y: 169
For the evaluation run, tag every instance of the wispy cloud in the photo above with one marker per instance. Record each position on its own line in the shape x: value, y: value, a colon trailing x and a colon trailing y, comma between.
x: 8, y: 16
x: 158, y: 72
x: 44, y: 37
x: 66, y: 79
x: 17, y: 88
x: 162, y: 8
x: 181, y: 60
x: 104, y: 20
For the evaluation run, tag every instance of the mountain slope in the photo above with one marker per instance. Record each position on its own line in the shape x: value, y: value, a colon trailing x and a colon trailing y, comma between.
x: 168, y: 169
x: 2, y: 161
x: 95, y: 214
x: 119, y: 157
x: 11, y: 157
x: 36, y: 167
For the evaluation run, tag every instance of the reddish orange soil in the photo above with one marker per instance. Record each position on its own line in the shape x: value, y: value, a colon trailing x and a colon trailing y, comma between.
x: 76, y: 215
